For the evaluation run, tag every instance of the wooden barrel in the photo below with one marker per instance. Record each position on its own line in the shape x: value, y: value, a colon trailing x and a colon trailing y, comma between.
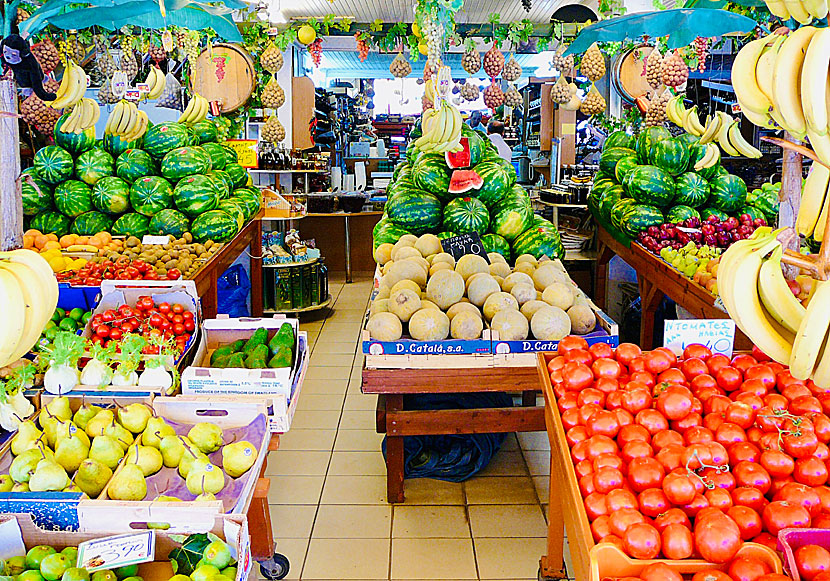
x: 224, y: 73
x: 627, y: 73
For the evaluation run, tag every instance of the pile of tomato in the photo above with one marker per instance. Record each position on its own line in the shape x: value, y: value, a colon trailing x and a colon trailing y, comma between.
x: 692, y: 457
x: 147, y: 319
x: 121, y: 269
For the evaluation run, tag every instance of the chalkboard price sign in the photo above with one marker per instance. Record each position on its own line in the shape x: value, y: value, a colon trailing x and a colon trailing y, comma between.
x: 470, y: 243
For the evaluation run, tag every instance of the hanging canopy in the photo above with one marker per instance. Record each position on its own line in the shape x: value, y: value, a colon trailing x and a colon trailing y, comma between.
x: 681, y: 25
x: 155, y: 14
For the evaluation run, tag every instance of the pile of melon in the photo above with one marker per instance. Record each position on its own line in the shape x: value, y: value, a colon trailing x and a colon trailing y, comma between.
x: 426, y: 295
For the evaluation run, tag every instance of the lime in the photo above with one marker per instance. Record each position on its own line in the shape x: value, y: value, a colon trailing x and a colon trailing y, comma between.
x: 36, y: 554
x: 51, y: 332
x: 68, y: 324
x: 87, y: 316
x: 58, y: 314
x: 50, y: 324
x: 76, y: 313
x: 53, y: 566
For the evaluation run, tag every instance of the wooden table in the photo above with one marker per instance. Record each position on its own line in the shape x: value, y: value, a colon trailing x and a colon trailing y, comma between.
x: 392, y: 384
x: 206, y: 278
x: 656, y: 278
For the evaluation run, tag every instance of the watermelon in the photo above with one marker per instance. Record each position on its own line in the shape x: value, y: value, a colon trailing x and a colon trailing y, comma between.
x: 539, y: 241
x: 464, y: 180
x: 639, y: 218
x: 37, y: 195
x: 111, y: 195
x: 384, y: 220
x: 495, y: 243
x: 73, y: 198
x: 609, y: 199
x: 465, y: 215
x: 431, y: 174
x: 53, y: 164
x: 610, y: 157
x: 696, y: 153
x: 168, y: 221
x: 753, y: 212
x: 706, y: 212
x: 651, y: 185
x: 620, y: 139
x: 230, y: 154
x: 115, y: 146
x: 239, y: 175
x: 512, y: 216
x: 214, y: 225
x: 218, y: 156
x: 688, y: 140
x: 728, y: 193
x: 132, y: 224
x: 497, y: 182
x: 150, y: 195
x: 445, y: 235
x: 234, y: 208
x: 90, y: 223
x: 624, y: 167
x: 768, y: 204
x: 163, y: 138
x: 251, y: 199
x: 680, y: 213
x: 74, y: 143
x: 134, y: 164
x: 691, y: 190
x: 195, y: 194
x: 619, y: 211
x: 49, y: 222
x: 460, y: 159
x: 671, y: 155
x: 416, y: 211
x: 93, y: 165
x: 192, y: 138
x: 401, y: 170
x: 224, y: 184
x: 647, y: 139
x: 185, y: 161
x: 389, y: 233
x: 206, y: 131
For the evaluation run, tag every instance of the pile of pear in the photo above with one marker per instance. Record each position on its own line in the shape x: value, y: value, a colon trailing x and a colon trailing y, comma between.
x: 117, y: 449
x: 45, y: 563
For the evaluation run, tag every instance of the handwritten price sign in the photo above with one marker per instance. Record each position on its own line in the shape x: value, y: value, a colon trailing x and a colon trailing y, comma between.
x: 118, y: 551
x: 246, y: 151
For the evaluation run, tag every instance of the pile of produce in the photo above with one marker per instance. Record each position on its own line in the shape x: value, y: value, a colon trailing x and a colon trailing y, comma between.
x: 691, y: 456
x: 471, y: 190
x: 175, y: 178
x: 429, y: 296
x: 258, y: 352
x: 63, y: 320
x: 94, y: 449
x: 650, y: 179
x: 146, y: 318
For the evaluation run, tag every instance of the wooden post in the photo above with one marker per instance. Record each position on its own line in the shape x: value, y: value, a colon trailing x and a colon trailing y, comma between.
x: 11, y: 204
x: 790, y: 198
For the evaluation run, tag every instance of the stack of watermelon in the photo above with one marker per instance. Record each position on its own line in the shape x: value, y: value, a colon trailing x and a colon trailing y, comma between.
x: 177, y: 178
x: 473, y: 190
x: 649, y: 179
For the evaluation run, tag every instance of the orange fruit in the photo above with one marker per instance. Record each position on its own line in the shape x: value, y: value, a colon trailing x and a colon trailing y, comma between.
x: 51, y: 244
x: 51, y: 236
x: 82, y: 240
x: 28, y: 241
x: 40, y: 241
x: 32, y: 232
x: 105, y: 237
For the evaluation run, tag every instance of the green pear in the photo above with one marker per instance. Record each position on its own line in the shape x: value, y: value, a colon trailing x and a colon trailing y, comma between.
x: 72, y: 488
x: 6, y: 483
x: 103, y: 576
x: 133, y: 578
x: 72, y: 451
x: 20, y: 487
x: 229, y: 572
x: 48, y: 476
x: 99, y: 422
x: 126, y: 571
x: 166, y: 498
x: 190, y: 456
x: 204, y: 573
x: 217, y: 554
x: 84, y: 414
x: 204, y: 477
x: 207, y: 437
x: 27, y: 434
x: 147, y: 458
x: 31, y: 575
x: 23, y: 466
x: 156, y: 429
x: 75, y: 574
x: 205, y: 497
x: 92, y: 477
x: 179, y: 578
x: 15, y: 565
x: 237, y: 458
x: 54, y: 566
x: 50, y: 429
x: 60, y: 408
x: 128, y: 484
x: 72, y: 553
x: 107, y: 450
x: 134, y: 417
x: 68, y: 428
x: 172, y: 450
x: 35, y: 555
x: 120, y: 434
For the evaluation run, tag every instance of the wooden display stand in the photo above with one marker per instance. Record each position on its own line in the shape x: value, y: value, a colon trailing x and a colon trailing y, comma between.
x: 259, y: 516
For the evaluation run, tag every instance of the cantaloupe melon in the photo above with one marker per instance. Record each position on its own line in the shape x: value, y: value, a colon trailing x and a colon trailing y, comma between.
x: 383, y: 253
x: 550, y: 324
x: 515, y: 278
x: 462, y: 307
x: 407, y: 240
x: 383, y: 292
x: 469, y: 264
x: 410, y: 284
x: 473, y: 278
x: 583, y: 319
x: 499, y: 301
x: 530, y: 307
x: 428, y: 244
x: 526, y: 258
x: 429, y: 325
x: 404, y: 303
x: 510, y: 324
x: 496, y: 257
x: 525, y: 267
x: 436, y: 266
x: 405, y: 270
x: 546, y: 275
x: 445, y: 288
x: 466, y: 325
x: 402, y: 252
x: 501, y: 269
x: 420, y: 261
x: 559, y: 295
x: 384, y: 327
x: 379, y: 306
x: 387, y: 267
x: 427, y: 304
x: 481, y: 288
x: 523, y: 292
x: 444, y: 257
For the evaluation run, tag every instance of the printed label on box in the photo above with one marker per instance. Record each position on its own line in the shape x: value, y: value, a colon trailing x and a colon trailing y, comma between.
x: 716, y: 334
x: 117, y: 551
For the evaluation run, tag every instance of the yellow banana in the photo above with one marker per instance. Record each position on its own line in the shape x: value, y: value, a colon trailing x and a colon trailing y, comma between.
x: 821, y: 145
x: 814, y: 81
x: 812, y: 199
x: 778, y: 8
x: 818, y: 232
x: 46, y: 282
x: 736, y: 139
x: 712, y: 127
x: 797, y: 11
x: 787, y: 72
x: 763, y: 120
x: 34, y: 299
x: 744, y: 79
x: 115, y: 117
x: 723, y: 137
x: 692, y: 122
x: 778, y: 299
x: 125, y: 119
x: 765, y: 68
x: 812, y: 333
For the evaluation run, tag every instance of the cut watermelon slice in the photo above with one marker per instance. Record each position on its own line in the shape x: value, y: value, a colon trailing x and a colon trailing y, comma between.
x: 464, y: 180
x: 460, y: 159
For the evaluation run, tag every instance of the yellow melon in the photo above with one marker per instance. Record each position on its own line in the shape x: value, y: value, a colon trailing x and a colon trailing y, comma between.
x: 559, y: 295
x: 445, y: 288
x: 481, y: 288
x: 583, y: 319
x: 404, y: 303
x: 469, y: 264
x: 429, y: 325
x: 523, y: 292
x: 428, y: 244
x: 383, y: 253
x: 466, y: 325
x: 550, y: 324
x: 462, y: 307
x: 384, y: 327
x: 515, y: 278
x: 510, y: 324
x: 499, y: 301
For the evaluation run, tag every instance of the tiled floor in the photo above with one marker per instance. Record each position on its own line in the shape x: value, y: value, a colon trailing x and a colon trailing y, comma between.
x: 328, y: 484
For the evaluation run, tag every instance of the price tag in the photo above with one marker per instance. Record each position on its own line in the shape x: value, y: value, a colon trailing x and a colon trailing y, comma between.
x: 117, y: 551
x: 736, y: 108
x: 148, y: 239
x: 246, y: 151
x: 716, y: 334
x: 470, y: 243
x: 132, y: 95
x: 119, y: 84
x: 143, y: 87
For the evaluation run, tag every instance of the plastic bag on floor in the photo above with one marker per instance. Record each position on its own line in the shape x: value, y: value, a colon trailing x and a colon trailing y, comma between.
x: 455, y: 457
x: 232, y: 291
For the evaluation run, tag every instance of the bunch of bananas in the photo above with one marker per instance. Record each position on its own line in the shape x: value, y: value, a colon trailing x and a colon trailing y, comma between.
x: 802, y: 10
x: 196, y: 110
x: 720, y: 128
x: 29, y: 295
x: 815, y: 203
x: 73, y: 86
x: 441, y: 129
x: 84, y: 115
x: 127, y: 122
x: 156, y: 82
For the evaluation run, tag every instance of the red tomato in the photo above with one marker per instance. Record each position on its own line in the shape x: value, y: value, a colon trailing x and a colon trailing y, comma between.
x: 696, y: 350
x: 643, y: 377
x: 743, y: 452
x: 698, y: 435
x: 728, y: 378
x: 679, y: 488
x: 672, y: 375
x: 612, y: 460
x: 600, y: 528
x: 636, y: 399
x: 659, y: 572
x: 116, y: 334
x: 800, y: 446
x: 605, y: 367
x: 758, y: 354
x: 595, y: 505
x: 750, y: 497
x: 740, y: 414
x: 781, y: 514
x: 693, y: 420
x: 651, y: 420
x: 179, y: 329
x: 812, y: 560
x: 717, y: 538
x: 607, y: 479
x: 653, y: 502
x: 716, y: 362
x: 747, y: 569
x: 576, y: 434
x: 619, y: 499
x: 642, y: 541
x: 693, y: 367
x: 187, y: 315
x: 748, y: 521
x: 753, y: 475
x: 670, y: 517
x: 108, y: 316
x: 810, y: 471
x: 665, y: 438
x: 636, y: 449
x: 671, y: 456
x: 102, y: 331
x: 657, y: 361
x: 743, y: 362
x: 801, y: 495
x: 580, y: 356
x: 619, y: 521
x: 576, y: 376
x: 677, y: 542
x: 631, y: 433
x: 712, y: 575
x: 767, y: 540
x: 674, y: 405
x: 824, y: 498
x: 590, y: 395
x: 174, y: 274
x: 625, y: 353
x: 645, y: 473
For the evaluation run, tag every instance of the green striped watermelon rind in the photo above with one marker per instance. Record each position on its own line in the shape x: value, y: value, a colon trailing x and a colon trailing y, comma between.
x: 111, y: 195
x: 651, y: 185
x: 213, y: 225
x: 234, y: 208
x: 150, y: 195
x: 131, y: 224
x: 218, y: 155
x: 728, y: 193
x: 497, y: 182
x: 539, y: 241
x: 134, y: 164
x: 90, y: 223
x: 73, y: 198
x: 495, y: 243
x: 54, y: 164
x: 185, y: 161
x: 466, y: 215
x: 639, y: 217
x: 36, y: 196
x: 50, y: 222
x: 94, y: 164
x: 416, y: 211
x: 239, y: 175
x: 691, y: 190
x: 168, y: 221
x: 74, y: 143
x: 431, y: 174
x: 165, y: 137
x: 512, y: 216
x: 194, y: 195
x: 388, y: 234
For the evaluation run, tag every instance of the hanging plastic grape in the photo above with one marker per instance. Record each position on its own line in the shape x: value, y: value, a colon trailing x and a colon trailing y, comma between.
x: 118, y: 85
x: 444, y: 81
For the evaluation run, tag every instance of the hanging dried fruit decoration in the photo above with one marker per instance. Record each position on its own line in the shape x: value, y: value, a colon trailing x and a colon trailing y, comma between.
x: 471, y: 61
x: 47, y: 55
x: 594, y: 103
x: 315, y: 49
x: 273, y: 130
x: 574, y: 102
x: 493, y: 95
x: 470, y: 91
x: 654, y: 75
x: 35, y: 112
x: 593, y: 63
x: 560, y: 92
x: 656, y: 112
x: 512, y: 70
x: 493, y: 62
x: 273, y: 95
x: 513, y: 98
x: 272, y: 59
x: 563, y: 64
x: 674, y: 70
x: 400, y: 67
x: 701, y: 45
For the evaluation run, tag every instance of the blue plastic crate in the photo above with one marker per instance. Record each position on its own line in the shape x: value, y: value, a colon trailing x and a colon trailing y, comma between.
x: 84, y: 297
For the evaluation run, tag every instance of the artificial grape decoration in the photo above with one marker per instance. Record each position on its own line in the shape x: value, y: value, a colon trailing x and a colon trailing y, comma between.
x: 219, y: 63
x: 701, y: 45
x: 527, y: 5
x: 362, y: 47
x: 315, y: 49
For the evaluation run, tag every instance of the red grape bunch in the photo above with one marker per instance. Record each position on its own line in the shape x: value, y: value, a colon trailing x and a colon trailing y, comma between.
x: 315, y: 49
x: 362, y: 47
x: 701, y: 45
